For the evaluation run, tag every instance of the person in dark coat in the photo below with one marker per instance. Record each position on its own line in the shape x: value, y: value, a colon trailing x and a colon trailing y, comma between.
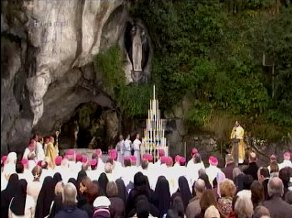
x: 229, y: 166
x: 205, y: 177
x: 263, y: 178
x: 177, y: 204
x: 58, y: 200
x: 45, y: 198
x: 284, y: 175
x: 22, y: 204
x: 238, y: 178
x: 57, y: 178
x: 277, y: 207
x: 80, y: 198
x: 257, y: 193
x: 183, y: 191
x: 140, y: 190
x: 80, y: 176
x: 122, y: 192
x: 70, y: 209
x: 161, y: 196
x: 252, y: 168
x: 8, y: 193
x: 117, y: 207
x: 102, y: 181
x: 73, y: 181
x: 89, y: 191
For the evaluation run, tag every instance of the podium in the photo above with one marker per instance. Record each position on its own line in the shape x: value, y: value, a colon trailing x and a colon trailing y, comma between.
x: 154, y: 134
x: 234, y: 150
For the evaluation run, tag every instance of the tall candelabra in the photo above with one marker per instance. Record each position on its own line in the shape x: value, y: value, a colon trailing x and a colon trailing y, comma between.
x: 154, y: 138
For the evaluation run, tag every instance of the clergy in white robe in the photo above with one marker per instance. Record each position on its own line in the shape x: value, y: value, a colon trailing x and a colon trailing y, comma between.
x: 136, y: 147
x: 128, y: 146
x: 286, y: 162
x: 120, y: 149
x: 212, y: 170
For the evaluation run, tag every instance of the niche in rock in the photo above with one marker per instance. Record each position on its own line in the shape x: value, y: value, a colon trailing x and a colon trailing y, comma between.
x: 138, y: 49
x: 86, y: 128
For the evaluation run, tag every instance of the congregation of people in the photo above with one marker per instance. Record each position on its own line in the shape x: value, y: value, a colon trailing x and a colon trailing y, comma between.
x: 133, y: 183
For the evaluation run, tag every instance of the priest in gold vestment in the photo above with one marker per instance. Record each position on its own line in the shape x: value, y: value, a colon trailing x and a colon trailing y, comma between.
x: 238, y: 148
x: 51, y: 152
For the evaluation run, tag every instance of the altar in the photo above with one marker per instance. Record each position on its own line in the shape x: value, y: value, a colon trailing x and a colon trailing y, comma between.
x: 154, y: 135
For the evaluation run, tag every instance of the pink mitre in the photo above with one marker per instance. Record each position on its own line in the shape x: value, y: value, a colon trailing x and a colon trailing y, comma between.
x: 3, y: 159
x: 169, y: 161
x: 98, y: 152
x: 182, y: 161
x: 133, y: 159
x: 93, y: 163
x: 58, y: 160
x: 177, y: 158
x: 213, y: 160
x: 161, y: 152
x: 113, y: 154
x: 84, y: 159
x: 194, y: 151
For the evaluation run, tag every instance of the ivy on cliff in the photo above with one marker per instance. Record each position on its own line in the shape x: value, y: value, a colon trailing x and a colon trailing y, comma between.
x: 132, y: 100
x: 213, y: 53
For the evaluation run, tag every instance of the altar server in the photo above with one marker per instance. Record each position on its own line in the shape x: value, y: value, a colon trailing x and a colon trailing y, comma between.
x: 136, y: 147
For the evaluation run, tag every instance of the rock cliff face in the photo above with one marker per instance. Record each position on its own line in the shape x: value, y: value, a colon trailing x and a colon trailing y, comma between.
x: 46, y: 62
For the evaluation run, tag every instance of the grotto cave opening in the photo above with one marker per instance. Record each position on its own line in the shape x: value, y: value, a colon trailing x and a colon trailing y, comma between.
x: 86, y: 128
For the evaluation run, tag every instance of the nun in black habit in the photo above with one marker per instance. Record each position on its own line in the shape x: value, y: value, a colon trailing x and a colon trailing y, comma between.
x: 122, y: 192
x: 183, y: 191
x: 45, y: 198
x: 22, y: 204
x: 161, y: 196
x: 8, y: 193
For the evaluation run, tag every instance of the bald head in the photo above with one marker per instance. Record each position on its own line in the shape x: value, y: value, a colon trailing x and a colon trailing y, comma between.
x: 69, y: 194
x: 200, y: 186
x: 275, y: 187
x: 261, y: 211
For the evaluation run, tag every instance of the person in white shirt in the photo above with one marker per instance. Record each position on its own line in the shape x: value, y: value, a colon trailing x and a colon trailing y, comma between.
x: 196, y: 162
x: 40, y: 153
x: 58, y: 162
x: 30, y: 150
x: 136, y: 147
x: 212, y: 170
x: 193, y: 167
x: 9, y: 165
x: 34, y: 187
x: 93, y: 173
x: 161, y: 154
x: 26, y: 173
x: 128, y: 145
x: 286, y: 162
x: 120, y: 149
x: 179, y: 169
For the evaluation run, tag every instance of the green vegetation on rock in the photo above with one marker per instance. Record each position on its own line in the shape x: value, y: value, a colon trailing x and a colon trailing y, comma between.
x: 213, y: 53
x: 132, y: 99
